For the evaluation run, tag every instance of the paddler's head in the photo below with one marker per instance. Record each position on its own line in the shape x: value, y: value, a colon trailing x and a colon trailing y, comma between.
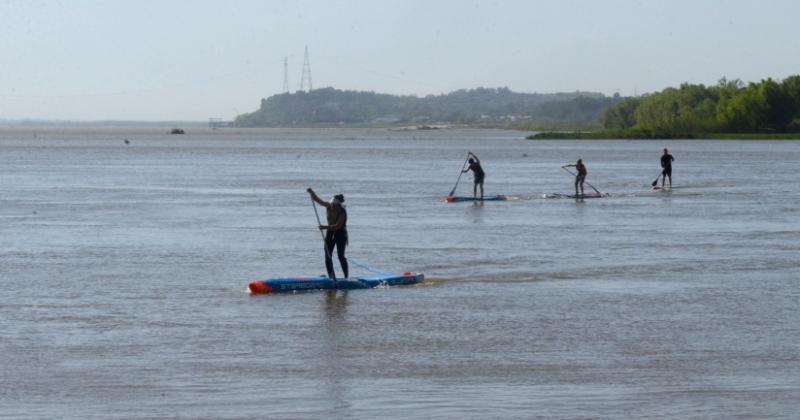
x: 665, y: 151
x: 471, y: 160
x: 338, y: 200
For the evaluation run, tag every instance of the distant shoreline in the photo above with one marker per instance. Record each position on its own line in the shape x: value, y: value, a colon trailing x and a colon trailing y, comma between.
x: 189, y: 132
x: 392, y: 132
x: 621, y: 135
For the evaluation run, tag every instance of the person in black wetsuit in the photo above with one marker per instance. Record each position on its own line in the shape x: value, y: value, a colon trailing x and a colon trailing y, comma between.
x: 336, y: 232
x: 581, y: 177
x: 666, y: 165
x: 477, y: 172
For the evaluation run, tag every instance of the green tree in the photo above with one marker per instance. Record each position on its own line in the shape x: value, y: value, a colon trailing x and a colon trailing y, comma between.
x: 620, y: 116
x: 678, y: 111
x: 780, y: 112
x: 745, y: 111
x: 791, y: 88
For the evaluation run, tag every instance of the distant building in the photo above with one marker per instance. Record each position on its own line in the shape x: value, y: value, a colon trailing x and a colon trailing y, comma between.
x: 215, y: 123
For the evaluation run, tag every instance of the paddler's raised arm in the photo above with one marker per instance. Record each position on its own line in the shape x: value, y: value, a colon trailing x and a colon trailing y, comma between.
x: 317, y: 199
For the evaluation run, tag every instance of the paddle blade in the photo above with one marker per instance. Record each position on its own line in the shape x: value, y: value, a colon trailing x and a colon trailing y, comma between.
x: 654, y: 183
x: 450, y: 197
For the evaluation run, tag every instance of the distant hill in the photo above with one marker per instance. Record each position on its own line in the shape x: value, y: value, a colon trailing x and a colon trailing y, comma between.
x: 489, y: 107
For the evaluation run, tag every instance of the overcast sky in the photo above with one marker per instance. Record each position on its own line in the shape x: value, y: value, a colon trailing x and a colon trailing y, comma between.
x: 195, y: 59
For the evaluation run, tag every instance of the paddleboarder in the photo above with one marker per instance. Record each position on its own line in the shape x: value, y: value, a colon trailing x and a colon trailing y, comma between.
x: 666, y: 167
x: 581, y: 177
x: 336, y: 231
x: 477, y: 173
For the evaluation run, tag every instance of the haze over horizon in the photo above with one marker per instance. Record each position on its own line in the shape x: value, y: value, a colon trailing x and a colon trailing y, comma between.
x: 191, y: 60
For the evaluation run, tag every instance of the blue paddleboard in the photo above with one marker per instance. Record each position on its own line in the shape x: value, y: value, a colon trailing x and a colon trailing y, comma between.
x: 457, y: 198
x: 297, y: 284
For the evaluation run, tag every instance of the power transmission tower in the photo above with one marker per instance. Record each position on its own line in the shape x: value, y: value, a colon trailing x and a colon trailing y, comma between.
x: 305, y: 79
x: 285, y: 74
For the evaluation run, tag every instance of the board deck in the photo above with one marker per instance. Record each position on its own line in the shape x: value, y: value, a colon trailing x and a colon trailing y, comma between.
x: 458, y: 198
x: 586, y: 195
x: 298, y: 284
x: 581, y: 196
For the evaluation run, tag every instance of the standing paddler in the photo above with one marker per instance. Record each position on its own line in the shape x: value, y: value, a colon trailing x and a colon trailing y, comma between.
x: 580, y: 177
x: 666, y: 167
x: 336, y: 231
x: 477, y: 173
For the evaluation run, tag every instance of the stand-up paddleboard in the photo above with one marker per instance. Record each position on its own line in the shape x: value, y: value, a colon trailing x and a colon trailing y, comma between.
x: 298, y: 284
x: 592, y: 195
x: 458, y: 198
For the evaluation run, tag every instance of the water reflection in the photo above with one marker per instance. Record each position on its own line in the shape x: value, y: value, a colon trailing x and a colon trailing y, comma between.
x: 335, y: 307
x: 334, y: 343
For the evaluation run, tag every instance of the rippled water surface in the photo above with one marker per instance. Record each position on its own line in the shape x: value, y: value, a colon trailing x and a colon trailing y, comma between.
x: 124, y: 272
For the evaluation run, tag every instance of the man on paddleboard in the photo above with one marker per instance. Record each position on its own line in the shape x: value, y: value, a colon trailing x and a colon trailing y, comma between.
x: 336, y: 231
x: 477, y: 172
x: 581, y: 177
x: 666, y: 165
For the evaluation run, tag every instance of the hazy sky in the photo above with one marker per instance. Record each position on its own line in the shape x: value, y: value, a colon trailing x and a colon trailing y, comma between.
x: 194, y: 59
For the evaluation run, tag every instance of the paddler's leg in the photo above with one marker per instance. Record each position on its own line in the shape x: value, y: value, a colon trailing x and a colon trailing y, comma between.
x: 329, y: 241
x: 577, y: 182
x: 341, y: 244
x: 481, y: 189
x: 475, y: 190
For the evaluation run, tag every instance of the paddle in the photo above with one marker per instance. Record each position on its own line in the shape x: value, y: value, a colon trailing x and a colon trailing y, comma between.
x: 461, y: 172
x: 324, y: 243
x: 654, y: 183
x: 587, y: 183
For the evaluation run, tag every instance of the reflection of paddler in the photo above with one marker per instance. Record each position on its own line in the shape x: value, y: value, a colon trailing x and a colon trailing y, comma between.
x: 581, y: 177
x: 477, y: 172
x: 336, y: 231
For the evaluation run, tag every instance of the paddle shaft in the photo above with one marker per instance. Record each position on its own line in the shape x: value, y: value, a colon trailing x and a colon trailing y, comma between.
x: 587, y: 182
x: 461, y: 172
x: 319, y: 223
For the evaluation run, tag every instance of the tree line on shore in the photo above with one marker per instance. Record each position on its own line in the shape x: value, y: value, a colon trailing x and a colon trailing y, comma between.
x: 768, y: 106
